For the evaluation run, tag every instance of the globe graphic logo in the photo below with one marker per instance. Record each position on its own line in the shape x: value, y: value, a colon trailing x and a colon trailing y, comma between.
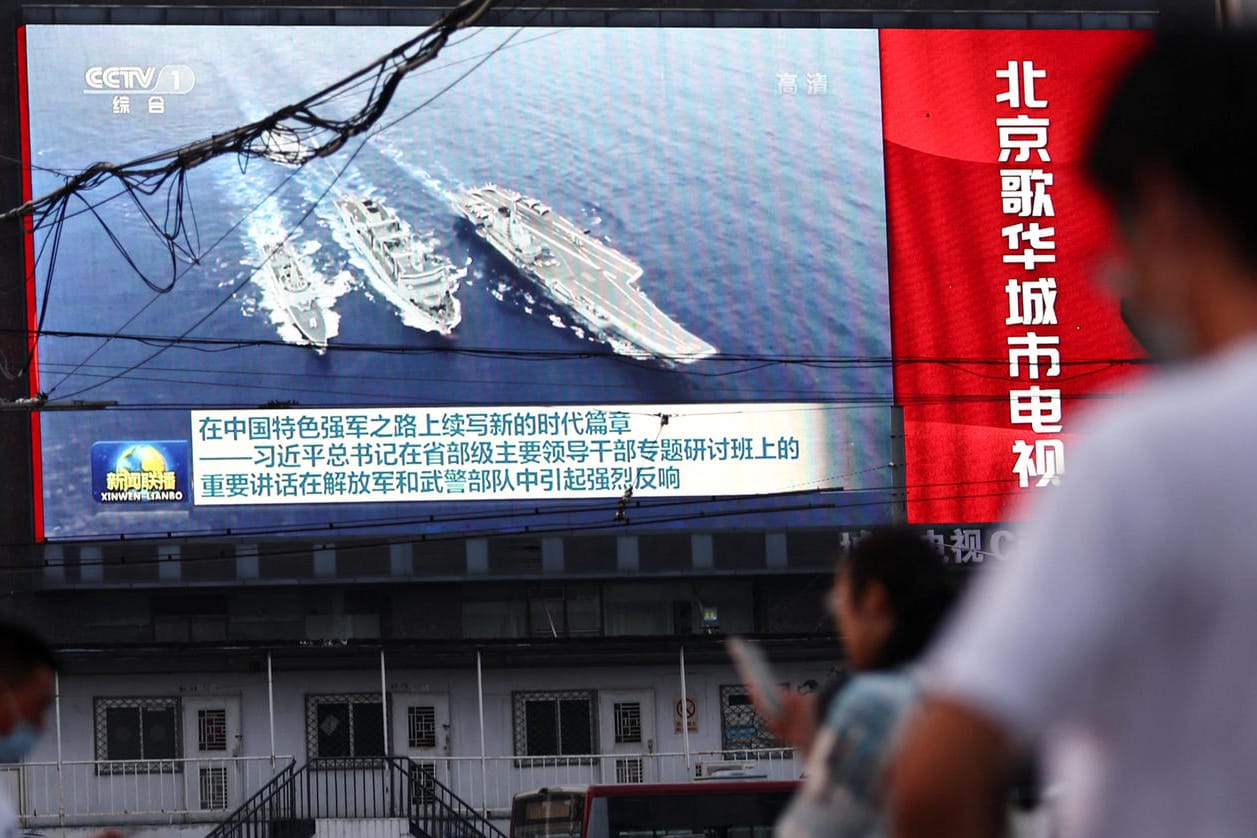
x: 141, y: 458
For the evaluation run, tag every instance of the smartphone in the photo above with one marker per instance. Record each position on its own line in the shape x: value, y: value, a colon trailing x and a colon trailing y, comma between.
x: 755, y: 671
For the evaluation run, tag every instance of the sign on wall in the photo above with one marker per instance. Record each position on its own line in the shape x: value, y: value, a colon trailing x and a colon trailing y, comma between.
x: 685, y: 713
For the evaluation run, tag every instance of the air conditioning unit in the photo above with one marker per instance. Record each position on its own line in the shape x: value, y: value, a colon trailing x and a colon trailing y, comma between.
x: 728, y: 770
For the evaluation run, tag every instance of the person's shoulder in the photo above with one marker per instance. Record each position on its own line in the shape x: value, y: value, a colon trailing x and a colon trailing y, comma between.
x: 873, y: 694
x: 889, y: 683
x: 1201, y: 401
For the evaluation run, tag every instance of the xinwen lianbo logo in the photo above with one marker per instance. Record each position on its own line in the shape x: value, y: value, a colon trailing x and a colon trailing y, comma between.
x: 140, y: 471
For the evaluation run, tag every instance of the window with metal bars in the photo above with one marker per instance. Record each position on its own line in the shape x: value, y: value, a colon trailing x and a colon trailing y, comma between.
x: 345, y: 725
x: 421, y: 721
x: 629, y: 770
x: 628, y: 722
x: 555, y: 723
x: 423, y: 783
x: 137, y: 735
x: 214, y: 787
x: 741, y: 727
x: 211, y: 729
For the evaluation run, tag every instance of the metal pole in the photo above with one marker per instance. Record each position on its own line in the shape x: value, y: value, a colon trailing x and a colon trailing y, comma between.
x: 685, y: 714
x: 384, y: 701
x: 270, y: 706
x: 484, y: 771
x: 60, y: 777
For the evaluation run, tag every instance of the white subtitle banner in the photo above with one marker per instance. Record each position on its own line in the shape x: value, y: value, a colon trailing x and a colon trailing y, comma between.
x: 347, y: 455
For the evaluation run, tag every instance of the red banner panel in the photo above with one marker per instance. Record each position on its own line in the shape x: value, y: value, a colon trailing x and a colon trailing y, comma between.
x: 1000, y: 332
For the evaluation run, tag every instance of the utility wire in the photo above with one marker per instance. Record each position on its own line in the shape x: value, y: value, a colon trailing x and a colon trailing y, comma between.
x: 316, y: 135
x: 834, y: 501
x: 298, y: 133
x: 836, y: 498
x: 641, y: 526
x: 819, y: 361
x: 167, y: 344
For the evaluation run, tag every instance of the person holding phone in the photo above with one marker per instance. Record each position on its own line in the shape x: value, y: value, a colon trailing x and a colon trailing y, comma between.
x: 889, y: 595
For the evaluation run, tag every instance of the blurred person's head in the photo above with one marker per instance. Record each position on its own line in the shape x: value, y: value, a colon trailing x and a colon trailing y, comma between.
x: 27, y: 678
x: 891, y: 591
x: 1172, y: 152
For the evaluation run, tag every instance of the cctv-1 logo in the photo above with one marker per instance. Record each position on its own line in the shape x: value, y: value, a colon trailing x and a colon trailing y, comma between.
x: 168, y: 79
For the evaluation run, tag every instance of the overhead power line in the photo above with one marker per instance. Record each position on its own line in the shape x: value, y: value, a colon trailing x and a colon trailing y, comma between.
x: 295, y: 133
x: 646, y: 520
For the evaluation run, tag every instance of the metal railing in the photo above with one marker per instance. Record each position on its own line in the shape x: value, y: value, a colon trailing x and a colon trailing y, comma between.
x: 356, y: 789
x: 270, y: 811
x: 206, y: 790
x: 439, y: 813
x: 85, y: 791
x: 489, y: 783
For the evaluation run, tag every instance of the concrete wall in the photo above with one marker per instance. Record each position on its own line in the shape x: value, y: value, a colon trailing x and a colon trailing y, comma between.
x: 77, y: 792
x: 291, y: 689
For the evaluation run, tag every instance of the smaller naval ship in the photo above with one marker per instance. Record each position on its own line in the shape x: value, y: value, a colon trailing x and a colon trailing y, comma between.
x: 297, y: 293
x: 593, y: 281
x: 418, y: 281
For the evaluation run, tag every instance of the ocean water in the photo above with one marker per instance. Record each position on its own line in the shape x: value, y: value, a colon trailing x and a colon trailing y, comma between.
x: 758, y: 217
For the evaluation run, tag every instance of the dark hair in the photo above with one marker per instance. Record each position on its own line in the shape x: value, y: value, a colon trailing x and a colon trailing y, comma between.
x: 1186, y: 107
x: 22, y: 654
x: 917, y: 584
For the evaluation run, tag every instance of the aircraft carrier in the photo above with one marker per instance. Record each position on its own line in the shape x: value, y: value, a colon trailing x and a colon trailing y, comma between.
x: 416, y: 280
x: 297, y: 293
x: 580, y: 273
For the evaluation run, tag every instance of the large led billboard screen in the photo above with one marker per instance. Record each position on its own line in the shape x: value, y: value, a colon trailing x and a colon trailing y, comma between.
x: 709, y: 251
x: 570, y: 267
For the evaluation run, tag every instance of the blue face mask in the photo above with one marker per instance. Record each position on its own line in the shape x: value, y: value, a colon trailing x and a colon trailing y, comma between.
x: 18, y: 742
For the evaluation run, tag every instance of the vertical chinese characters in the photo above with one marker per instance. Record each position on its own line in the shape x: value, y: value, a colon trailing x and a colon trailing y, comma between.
x: 1033, y: 338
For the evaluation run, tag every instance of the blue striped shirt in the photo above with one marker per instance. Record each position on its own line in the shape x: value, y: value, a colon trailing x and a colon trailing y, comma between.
x: 841, y: 795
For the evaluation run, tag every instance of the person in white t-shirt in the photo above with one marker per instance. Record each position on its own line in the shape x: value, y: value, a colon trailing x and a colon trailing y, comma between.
x: 1123, y: 636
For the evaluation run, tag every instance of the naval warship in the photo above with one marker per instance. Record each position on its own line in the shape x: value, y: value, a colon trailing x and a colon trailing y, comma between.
x: 580, y: 273
x: 297, y: 293
x: 421, y: 283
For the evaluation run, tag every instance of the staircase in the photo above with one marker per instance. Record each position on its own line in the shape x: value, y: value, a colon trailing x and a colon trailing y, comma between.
x: 357, y: 788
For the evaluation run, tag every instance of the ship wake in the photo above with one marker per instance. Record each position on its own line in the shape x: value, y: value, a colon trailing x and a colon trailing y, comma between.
x: 430, y: 181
